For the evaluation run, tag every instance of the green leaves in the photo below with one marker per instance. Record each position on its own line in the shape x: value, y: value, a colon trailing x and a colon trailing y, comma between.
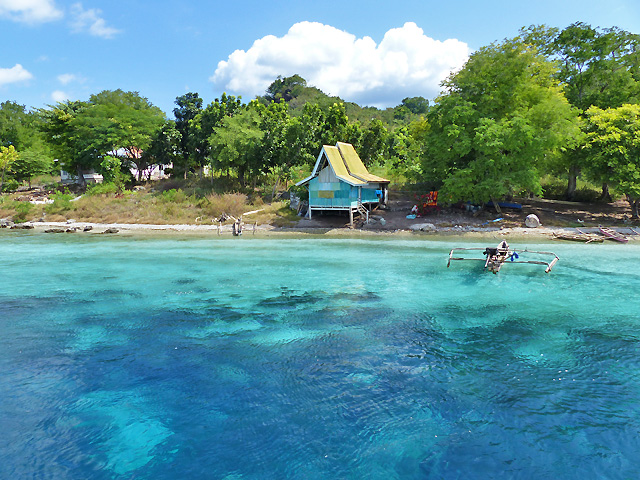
x: 503, y: 116
x: 613, y: 147
x: 81, y: 133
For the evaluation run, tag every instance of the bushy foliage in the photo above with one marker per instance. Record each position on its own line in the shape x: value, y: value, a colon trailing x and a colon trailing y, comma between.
x: 61, y: 203
x: 104, y: 188
x: 22, y: 210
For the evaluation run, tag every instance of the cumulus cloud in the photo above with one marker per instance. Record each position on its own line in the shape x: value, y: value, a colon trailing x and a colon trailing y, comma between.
x: 14, y: 74
x: 90, y: 21
x: 406, y: 62
x: 59, y: 96
x: 30, y: 11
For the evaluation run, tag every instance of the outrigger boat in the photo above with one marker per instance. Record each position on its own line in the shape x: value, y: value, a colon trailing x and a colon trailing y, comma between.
x: 496, y: 257
x: 613, y: 235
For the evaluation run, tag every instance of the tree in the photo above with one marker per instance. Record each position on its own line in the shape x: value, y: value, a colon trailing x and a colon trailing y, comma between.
x: 503, y: 115
x: 67, y: 145
x: 204, y: 123
x: 116, y: 123
x: 188, y: 106
x: 31, y: 162
x: 285, y: 89
x: 373, y: 141
x: 8, y: 155
x: 335, y: 125
x: 613, y: 146
x: 596, y: 67
x: 121, y: 124
x: 235, y: 144
x: 416, y: 105
x: 163, y: 150
x: 15, y: 126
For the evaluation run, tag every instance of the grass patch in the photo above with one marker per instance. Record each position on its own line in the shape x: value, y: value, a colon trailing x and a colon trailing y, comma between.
x: 193, y: 204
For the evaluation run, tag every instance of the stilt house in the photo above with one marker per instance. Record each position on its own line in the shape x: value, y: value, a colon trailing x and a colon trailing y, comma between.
x: 341, y: 182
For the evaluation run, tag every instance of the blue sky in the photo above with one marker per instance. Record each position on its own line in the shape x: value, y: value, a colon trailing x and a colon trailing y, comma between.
x: 371, y: 52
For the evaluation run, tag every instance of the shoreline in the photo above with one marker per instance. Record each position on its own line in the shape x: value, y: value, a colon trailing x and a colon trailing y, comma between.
x: 467, y: 232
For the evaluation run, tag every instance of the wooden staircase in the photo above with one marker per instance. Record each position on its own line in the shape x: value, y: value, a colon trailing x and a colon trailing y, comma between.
x: 362, y: 210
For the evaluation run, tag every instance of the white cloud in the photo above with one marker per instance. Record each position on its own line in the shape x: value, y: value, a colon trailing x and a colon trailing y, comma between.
x: 59, y: 96
x: 405, y: 63
x: 13, y: 75
x: 66, y: 78
x: 90, y: 21
x: 30, y: 11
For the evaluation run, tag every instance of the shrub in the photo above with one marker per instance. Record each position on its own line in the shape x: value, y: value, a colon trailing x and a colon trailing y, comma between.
x: 173, y: 196
x: 230, y: 203
x: 61, y: 203
x: 105, y: 188
x: 10, y: 185
x: 22, y: 210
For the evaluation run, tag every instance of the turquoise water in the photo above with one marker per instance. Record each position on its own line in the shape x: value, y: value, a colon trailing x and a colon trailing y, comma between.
x: 167, y: 358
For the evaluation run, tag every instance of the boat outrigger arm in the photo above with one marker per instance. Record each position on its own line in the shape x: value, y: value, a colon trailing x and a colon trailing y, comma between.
x: 496, y: 257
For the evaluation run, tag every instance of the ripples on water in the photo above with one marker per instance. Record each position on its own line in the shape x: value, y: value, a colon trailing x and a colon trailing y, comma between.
x: 314, y: 359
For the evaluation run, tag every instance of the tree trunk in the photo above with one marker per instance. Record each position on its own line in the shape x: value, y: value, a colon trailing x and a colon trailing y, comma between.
x: 495, y: 205
x: 572, y: 183
x: 81, y: 177
x: 634, y: 203
x: 2, y: 182
x: 275, y: 187
x: 606, y: 196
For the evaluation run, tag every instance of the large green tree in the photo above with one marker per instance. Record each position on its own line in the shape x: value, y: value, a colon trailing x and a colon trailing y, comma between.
x: 114, y: 123
x: 596, y: 67
x: 202, y: 126
x: 613, y: 149
x: 188, y: 107
x: 235, y: 144
x: 121, y: 124
x: 15, y: 126
x: 502, y: 117
x: 72, y: 151
x: 8, y: 155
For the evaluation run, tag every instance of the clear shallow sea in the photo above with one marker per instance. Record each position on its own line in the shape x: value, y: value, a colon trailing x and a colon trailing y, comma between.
x: 168, y: 358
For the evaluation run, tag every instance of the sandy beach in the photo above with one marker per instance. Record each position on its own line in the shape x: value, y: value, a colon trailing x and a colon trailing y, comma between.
x: 430, y: 230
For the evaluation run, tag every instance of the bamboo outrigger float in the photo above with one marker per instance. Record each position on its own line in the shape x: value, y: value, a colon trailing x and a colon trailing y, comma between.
x: 496, y: 257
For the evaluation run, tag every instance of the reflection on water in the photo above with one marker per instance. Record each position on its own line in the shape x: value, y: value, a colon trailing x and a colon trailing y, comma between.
x: 315, y: 359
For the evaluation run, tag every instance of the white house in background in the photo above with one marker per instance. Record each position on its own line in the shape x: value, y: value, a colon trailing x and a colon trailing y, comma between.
x: 157, y: 172
x: 89, y: 177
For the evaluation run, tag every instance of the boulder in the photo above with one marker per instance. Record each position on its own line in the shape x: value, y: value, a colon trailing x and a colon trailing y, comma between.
x: 422, y: 227
x: 532, y: 221
x: 111, y: 230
